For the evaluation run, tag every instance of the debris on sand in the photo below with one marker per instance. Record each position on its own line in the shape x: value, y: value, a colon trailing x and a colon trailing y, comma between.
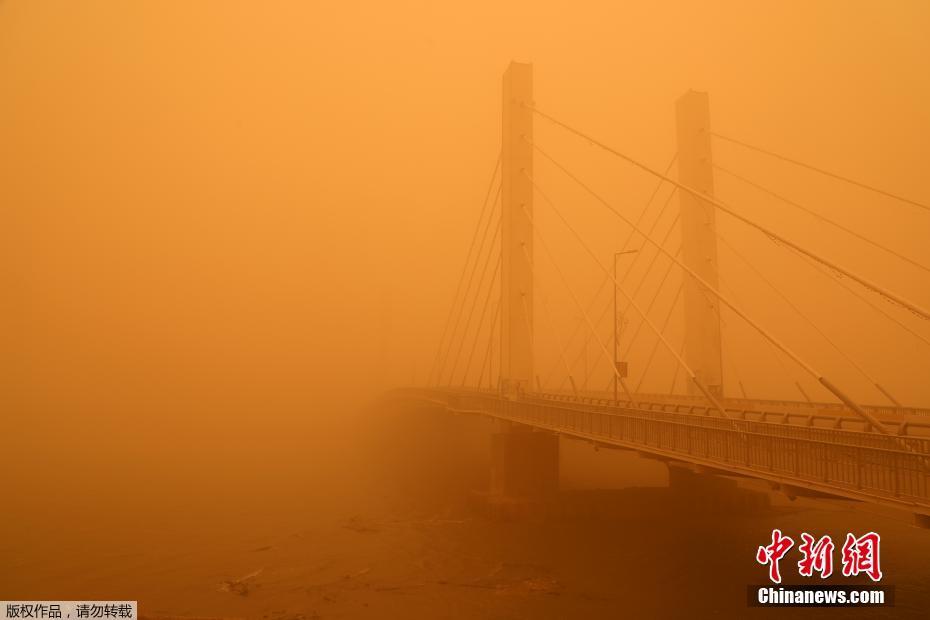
x: 358, y: 574
x: 360, y: 525
x: 433, y: 522
x: 347, y: 580
x: 285, y: 615
x: 336, y: 589
x: 401, y: 588
x: 240, y: 586
x: 517, y: 579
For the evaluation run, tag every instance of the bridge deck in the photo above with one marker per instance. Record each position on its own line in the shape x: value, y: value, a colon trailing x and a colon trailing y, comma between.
x: 885, y: 469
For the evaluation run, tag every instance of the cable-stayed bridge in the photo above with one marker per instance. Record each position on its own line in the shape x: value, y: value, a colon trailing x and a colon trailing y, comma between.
x: 821, y: 442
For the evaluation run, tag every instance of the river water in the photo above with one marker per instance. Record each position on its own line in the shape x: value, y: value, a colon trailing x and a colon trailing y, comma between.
x: 337, y: 523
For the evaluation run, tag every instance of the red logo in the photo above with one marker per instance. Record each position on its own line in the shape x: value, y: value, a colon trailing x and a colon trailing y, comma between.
x: 773, y: 553
x: 859, y: 555
x: 818, y: 556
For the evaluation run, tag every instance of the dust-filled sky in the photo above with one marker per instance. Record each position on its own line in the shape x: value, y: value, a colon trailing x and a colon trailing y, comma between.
x: 211, y: 207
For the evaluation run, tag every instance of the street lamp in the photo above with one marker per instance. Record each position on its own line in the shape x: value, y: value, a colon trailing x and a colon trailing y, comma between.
x: 616, y: 328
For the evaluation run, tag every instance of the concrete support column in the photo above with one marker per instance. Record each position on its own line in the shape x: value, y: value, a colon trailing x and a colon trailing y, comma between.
x: 699, y: 242
x: 516, y: 230
x: 524, y: 464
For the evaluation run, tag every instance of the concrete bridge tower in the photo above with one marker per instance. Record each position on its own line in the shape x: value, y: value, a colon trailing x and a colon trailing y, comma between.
x: 524, y: 461
x: 516, y: 230
x: 699, y: 242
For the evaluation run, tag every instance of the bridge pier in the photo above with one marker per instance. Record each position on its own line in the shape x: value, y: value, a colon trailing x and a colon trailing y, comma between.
x: 524, y: 463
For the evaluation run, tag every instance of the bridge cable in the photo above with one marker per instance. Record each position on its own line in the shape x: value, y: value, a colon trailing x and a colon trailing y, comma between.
x: 609, y: 304
x: 642, y: 280
x: 578, y: 304
x: 591, y: 370
x: 724, y: 349
x: 822, y: 171
x: 548, y: 314
x: 803, y: 393
x: 597, y: 324
x: 681, y: 352
x: 919, y: 311
x: 654, y: 297
x: 484, y: 309
x: 471, y: 246
x: 652, y: 226
x: 628, y: 270
x: 487, y: 355
x: 833, y: 277
x: 474, y: 301
x: 626, y: 243
x: 726, y: 352
x: 697, y: 382
x: 657, y: 291
x: 717, y: 310
x: 796, y: 383
x: 471, y: 277
x: 655, y: 344
x: 642, y: 246
x: 822, y: 218
x: 530, y: 333
x: 774, y: 353
x: 606, y: 308
x: 807, y: 319
x: 820, y: 377
x: 652, y: 300
x: 729, y: 290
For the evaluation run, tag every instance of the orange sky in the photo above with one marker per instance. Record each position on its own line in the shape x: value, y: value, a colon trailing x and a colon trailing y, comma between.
x: 211, y: 201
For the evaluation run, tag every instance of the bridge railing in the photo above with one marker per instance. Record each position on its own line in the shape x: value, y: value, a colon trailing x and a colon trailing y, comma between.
x: 753, y: 404
x: 830, y: 416
x: 855, y: 464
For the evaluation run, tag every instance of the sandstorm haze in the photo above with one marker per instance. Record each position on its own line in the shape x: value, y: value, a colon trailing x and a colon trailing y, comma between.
x: 226, y: 227
x: 215, y: 200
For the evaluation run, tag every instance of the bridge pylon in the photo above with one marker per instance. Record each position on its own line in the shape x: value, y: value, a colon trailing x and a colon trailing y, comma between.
x: 517, y: 230
x: 699, y: 242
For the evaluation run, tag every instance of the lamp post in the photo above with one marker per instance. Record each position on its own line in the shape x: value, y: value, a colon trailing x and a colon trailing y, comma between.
x: 616, y: 327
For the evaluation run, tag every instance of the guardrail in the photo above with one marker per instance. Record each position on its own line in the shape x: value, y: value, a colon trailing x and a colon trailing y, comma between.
x: 902, y: 424
x: 865, y: 466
